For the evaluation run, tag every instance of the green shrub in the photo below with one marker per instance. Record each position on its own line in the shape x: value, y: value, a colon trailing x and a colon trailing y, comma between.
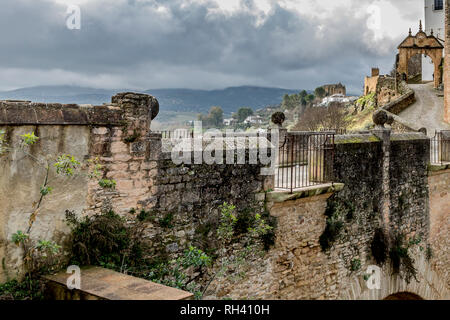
x: 400, y: 257
x: 107, y: 184
x: 27, y: 289
x: 355, y: 265
x: 105, y: 240
x: 166, y: 222
x: 337, y: 212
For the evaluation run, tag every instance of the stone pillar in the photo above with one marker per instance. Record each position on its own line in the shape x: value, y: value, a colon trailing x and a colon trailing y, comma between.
x: 380, y: 118
x: 437, y: 74
x: 403, y: 63
x: 123, y: 150
x: 385, y: 135
x: 140, y: 110
x: 447, y: 63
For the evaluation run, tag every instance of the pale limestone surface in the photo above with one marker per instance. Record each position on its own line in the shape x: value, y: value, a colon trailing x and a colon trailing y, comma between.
x: 20, y: 181
x: 427, y: 111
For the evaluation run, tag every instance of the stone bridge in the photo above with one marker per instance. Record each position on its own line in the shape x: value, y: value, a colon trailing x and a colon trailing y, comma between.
x: 377, y: 187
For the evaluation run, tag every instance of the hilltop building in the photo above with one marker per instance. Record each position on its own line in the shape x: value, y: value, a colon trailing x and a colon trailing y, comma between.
x: 331, y: 89
x: 339, y: 98
x: 254, y: 120
x: 229, y: 122
x: 370, y: 83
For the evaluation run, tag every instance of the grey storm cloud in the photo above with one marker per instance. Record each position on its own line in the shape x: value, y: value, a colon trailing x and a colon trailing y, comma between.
x: 185, y: 45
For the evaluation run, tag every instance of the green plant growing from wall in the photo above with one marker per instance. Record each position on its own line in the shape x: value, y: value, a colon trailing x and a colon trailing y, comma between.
x: 366, y: 100
x: 247, y: 229
x: 42, y: 256
x: 28, y: 289
x: 175, y: 272
x: 401, y: 257
x: 107, y: 184
x: 39, y: 256
x: 166, y: 221
x: 3, y: 145
x: 133, y: 137
x: 337, y: 212
x: 429, y: 253
x: 228, y: 220
x: 355, y: 265
x: 104, y: 240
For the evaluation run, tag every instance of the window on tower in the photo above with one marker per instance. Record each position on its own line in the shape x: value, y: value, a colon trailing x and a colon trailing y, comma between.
x: 438, y: 4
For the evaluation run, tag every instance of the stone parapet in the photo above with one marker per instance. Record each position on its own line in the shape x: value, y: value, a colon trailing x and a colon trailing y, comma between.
x: 28, y: 113
x: 404, y: 101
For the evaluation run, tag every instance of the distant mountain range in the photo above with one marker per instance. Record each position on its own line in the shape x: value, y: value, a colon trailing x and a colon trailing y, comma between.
x: 186, y: 100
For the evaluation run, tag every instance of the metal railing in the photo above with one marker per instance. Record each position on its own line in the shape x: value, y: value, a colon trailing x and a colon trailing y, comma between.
x: 177, y: 134
x: 305, y: 159
x: 440, y: 147
x: 189, y: 133
x: 336, y: 131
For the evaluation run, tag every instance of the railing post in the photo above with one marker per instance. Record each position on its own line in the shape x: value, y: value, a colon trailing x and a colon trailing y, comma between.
x: 292, y: 161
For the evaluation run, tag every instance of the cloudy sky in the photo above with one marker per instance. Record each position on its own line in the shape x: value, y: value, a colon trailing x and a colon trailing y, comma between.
x: 201, y: 44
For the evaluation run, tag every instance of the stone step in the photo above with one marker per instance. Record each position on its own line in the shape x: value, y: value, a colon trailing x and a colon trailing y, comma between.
x: 104, y: 284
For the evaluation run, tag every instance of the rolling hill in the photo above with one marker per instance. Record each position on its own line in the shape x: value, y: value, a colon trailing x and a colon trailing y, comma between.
x: 182, y: 100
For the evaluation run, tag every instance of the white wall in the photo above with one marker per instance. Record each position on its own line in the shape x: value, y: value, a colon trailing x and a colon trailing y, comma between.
x: 427, y: 68
x: 434, y: 19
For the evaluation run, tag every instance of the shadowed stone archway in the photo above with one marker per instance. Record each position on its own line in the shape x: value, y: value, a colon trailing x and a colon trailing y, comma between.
x: 403, y: 296
x: 429, y: 285
x: 420, y: 44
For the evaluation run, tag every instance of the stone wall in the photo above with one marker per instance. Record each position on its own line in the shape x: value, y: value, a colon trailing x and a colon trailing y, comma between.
x: 415, y: 67
x: 370, y: 84
x: 409, y: 185
x: 439, y: 184
x: 401, y: 103
x: 114, y: 133
x: 187, y: 197
x: 386, y: 89
x: 447, y: 63
x: 181, y: 200
x: 20, y: 181
x: 297, y: 267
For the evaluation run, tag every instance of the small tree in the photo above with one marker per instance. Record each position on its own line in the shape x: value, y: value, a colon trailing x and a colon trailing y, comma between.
x: 332, y: 117
x: 243, y: 113
x: 320, y: 92
x: 291, y: 101
x: 303, y: 94
x: 214, y: 117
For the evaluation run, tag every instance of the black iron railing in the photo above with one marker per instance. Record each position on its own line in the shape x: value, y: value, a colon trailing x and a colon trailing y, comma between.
x: 177, y: 134
x: 440, y: 147
x: 336, y: 131
x: 189, y: 133
x: 305, y: 159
